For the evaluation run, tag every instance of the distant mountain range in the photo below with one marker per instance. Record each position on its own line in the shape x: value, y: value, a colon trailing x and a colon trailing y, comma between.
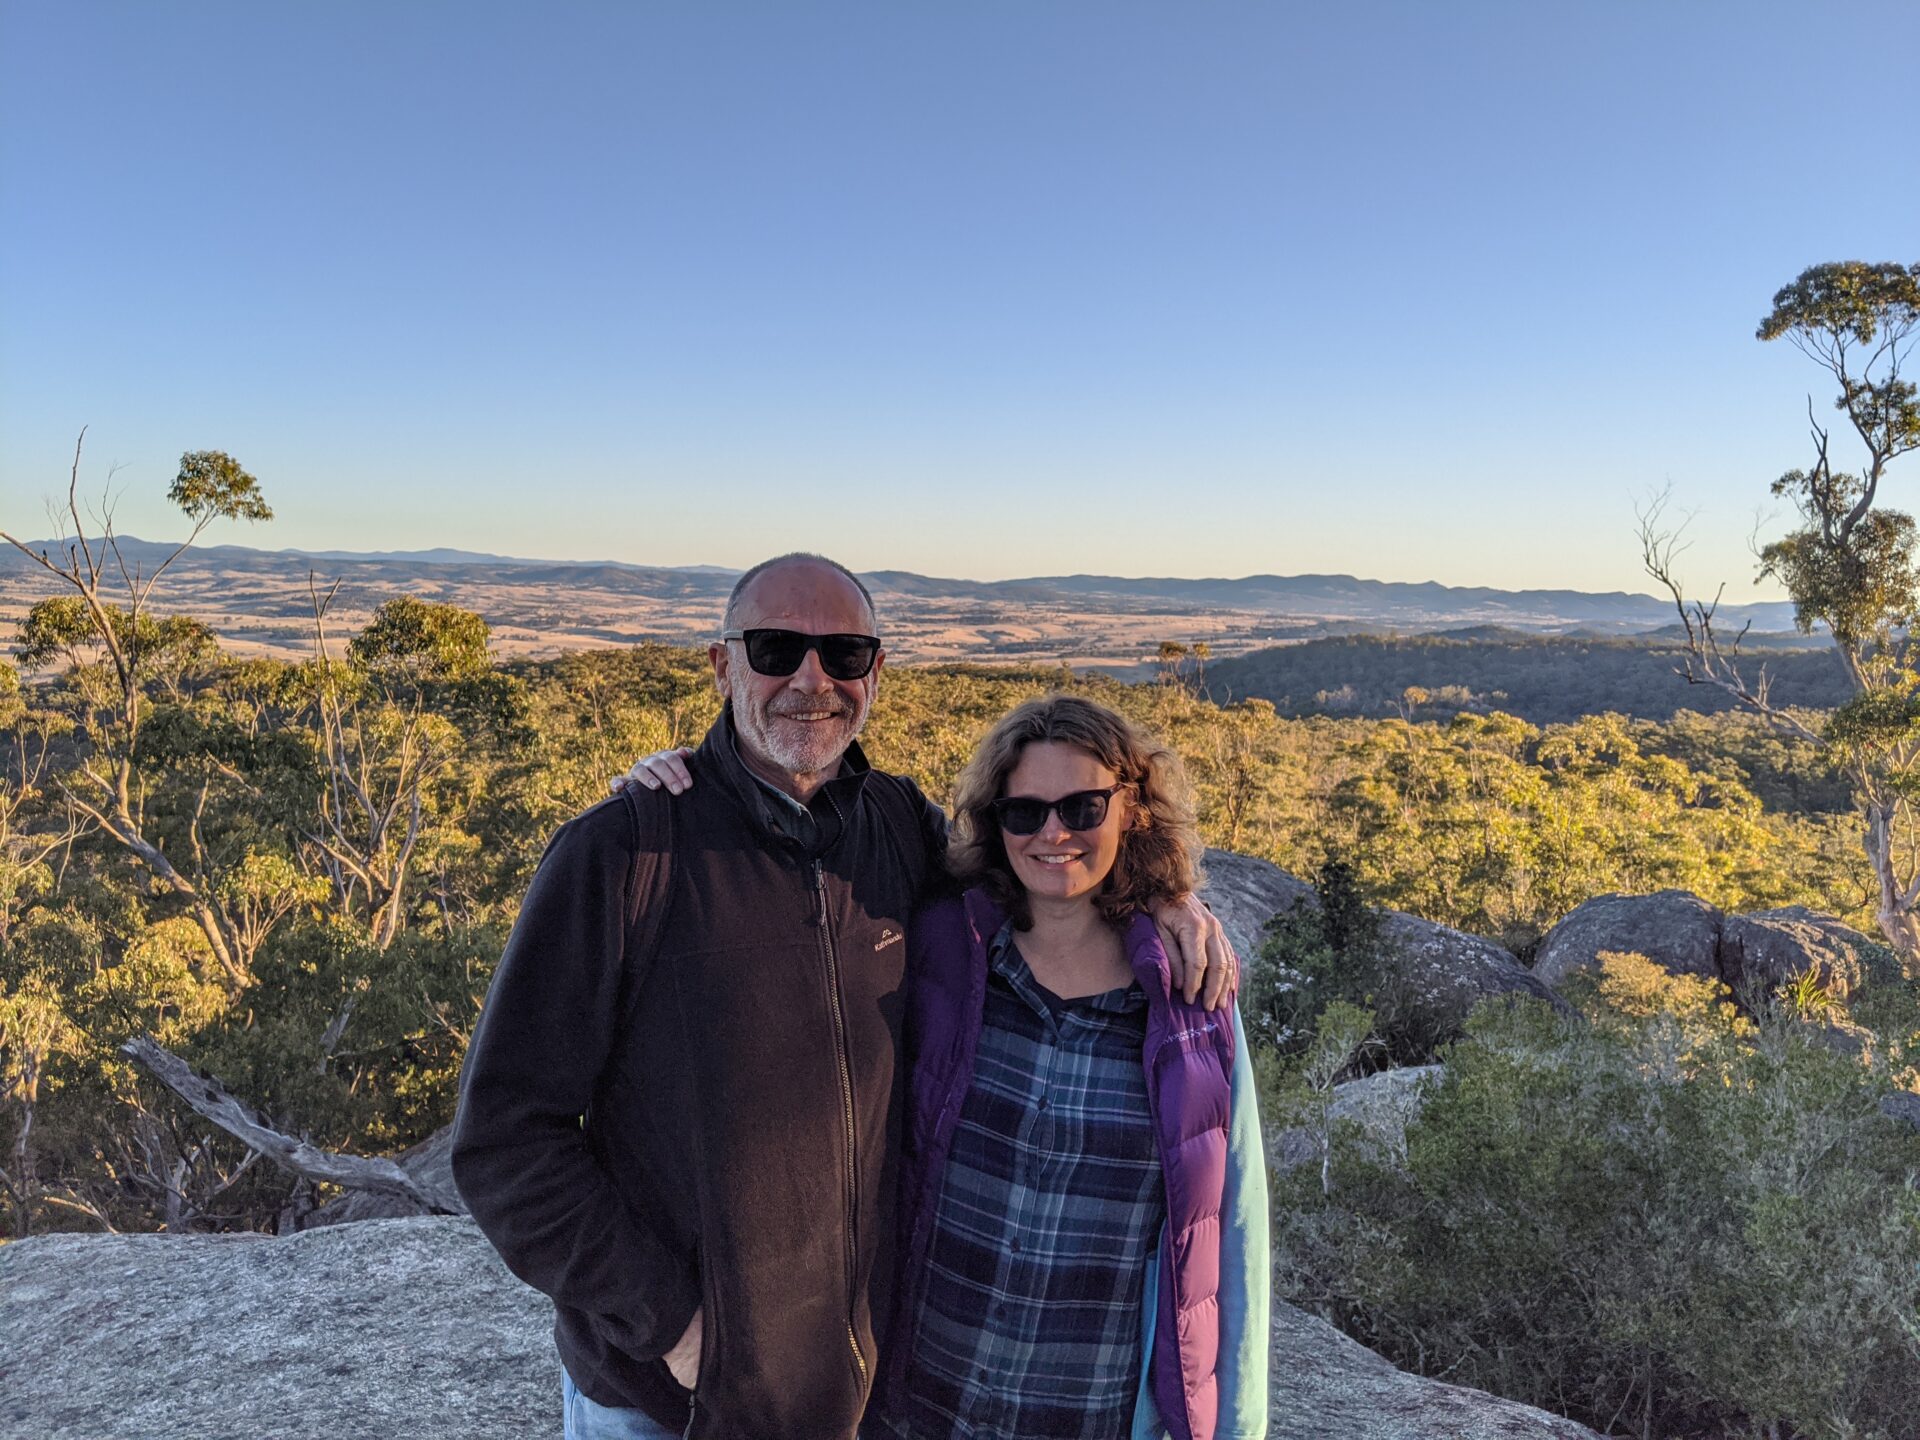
x: 262, y: 602
x: 247, y: 560
x: 1417, y: 604
x: 1324, y: 600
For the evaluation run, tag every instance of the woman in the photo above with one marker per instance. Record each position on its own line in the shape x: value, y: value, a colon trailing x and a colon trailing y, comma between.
x: 1070, y: 1111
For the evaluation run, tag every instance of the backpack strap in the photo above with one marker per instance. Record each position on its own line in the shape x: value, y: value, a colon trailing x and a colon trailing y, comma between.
x: 649, y: 882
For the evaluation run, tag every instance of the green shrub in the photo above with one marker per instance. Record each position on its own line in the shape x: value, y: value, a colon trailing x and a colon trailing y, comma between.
x: 1660, y: 1221
x: 1336, y: 950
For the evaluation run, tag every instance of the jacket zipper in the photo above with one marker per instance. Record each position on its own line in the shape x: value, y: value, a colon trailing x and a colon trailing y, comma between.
x: 846, y: 1113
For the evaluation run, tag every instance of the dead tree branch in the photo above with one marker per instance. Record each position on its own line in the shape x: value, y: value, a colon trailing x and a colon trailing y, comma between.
x: 1708, y: 659
x: 211, y: 1100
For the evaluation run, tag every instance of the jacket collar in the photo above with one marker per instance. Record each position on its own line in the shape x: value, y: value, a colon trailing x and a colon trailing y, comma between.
x: 832, y: 802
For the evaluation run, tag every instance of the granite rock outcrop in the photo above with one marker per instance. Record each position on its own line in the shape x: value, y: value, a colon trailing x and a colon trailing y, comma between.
x: 1449, y: 970
x: 1751, y: 954
x: 413, y: 1327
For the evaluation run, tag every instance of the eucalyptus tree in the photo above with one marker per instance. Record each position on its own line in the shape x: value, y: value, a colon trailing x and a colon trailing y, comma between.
x: 386, y: 716
x: 118, y: 652
x: 1849, y: 563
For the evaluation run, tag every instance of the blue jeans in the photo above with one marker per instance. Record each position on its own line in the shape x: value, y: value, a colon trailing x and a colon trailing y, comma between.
x: 587, y: 1421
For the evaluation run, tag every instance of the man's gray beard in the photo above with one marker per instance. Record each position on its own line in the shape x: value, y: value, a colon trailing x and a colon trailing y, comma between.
x: 799, y: 756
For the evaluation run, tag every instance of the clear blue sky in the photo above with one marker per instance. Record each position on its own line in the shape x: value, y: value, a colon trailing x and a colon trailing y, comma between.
x: 1412, y: 291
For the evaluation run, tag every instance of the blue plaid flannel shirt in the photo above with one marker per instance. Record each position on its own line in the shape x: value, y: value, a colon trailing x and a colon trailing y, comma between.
x: 1049, y: 1215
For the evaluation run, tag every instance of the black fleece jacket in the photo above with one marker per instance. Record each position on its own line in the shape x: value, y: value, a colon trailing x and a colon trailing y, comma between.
x: 683, y: 1092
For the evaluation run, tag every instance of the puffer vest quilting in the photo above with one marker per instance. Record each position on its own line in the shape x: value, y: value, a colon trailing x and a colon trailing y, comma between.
x: 1188, y: 1061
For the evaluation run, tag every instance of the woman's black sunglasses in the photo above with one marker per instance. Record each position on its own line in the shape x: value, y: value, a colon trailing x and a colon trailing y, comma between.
x: 781, y: 652
x: 1082, y: 810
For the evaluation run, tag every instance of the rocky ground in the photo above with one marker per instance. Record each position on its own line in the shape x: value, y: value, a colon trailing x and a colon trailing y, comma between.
x: 412, y: 1328
x: 389, y: 1328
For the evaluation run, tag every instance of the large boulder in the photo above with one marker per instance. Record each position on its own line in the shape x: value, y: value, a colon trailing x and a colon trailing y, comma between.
x: 1246, y: 893
x: 1383, y: 1105
x: 1753, y: 954
x: 1453, y: 971
x: 1676, y: 930
x: 1449, y: 970
x: 1771, y: 948
x: 1902, y: 1105
x: 413, y: 1328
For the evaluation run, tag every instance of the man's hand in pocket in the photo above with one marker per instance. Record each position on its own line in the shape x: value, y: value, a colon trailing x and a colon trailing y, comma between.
x: 683, y: 1360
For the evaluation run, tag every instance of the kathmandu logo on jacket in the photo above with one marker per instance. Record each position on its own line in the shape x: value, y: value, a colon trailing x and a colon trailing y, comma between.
x: 888, y: 936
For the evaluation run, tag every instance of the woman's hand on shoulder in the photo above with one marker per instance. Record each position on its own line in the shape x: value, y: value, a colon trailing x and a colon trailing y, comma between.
x: 666, y: 768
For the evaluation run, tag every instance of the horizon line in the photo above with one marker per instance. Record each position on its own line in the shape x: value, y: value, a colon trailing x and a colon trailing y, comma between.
x: 453, y: 555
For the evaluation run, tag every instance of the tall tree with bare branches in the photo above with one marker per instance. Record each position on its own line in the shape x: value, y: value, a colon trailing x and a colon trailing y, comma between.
x: 1849, y: 564
x: 106, y: 629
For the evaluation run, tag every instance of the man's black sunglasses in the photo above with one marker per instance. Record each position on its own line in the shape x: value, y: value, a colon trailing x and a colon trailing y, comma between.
x: 1082, y: 810
x: 781, y: 652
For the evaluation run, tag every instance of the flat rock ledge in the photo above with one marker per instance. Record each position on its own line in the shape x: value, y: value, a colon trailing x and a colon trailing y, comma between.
x: 413, y: 1328
x: 390, y: 1328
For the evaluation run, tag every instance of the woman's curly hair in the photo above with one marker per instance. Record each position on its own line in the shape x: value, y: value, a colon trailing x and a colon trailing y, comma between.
x: 1160, y: 849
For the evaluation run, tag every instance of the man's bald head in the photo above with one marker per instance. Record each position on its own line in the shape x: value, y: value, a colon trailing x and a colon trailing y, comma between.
x: 738, y: 601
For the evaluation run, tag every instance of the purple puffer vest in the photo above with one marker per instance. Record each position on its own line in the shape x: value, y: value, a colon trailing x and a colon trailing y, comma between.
x: 1188, y: 1059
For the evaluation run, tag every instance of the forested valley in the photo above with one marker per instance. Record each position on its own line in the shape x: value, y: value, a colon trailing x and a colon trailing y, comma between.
x: 1541, y: 678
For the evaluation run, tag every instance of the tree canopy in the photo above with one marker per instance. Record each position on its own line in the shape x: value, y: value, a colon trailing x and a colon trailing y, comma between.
x: 1849, y: 564
x: 211, y: 485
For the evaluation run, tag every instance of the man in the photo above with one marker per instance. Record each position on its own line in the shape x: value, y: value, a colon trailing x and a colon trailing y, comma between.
x: 679, y: 1116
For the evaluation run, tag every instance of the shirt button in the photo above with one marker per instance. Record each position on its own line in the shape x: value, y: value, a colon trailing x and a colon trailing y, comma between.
x: 999, y: 1312
x: 1014, y: 1245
